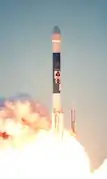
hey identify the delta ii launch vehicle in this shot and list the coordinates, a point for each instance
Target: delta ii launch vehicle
(57, 113)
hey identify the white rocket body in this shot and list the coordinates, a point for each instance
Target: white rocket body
(57, 114)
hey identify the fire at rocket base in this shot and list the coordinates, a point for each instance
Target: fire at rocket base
(57, 114)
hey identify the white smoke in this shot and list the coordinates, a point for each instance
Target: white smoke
(101, 172)
(29, 150)
(20, 114)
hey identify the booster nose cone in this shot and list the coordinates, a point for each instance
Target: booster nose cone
(56, 34)
(56, 30)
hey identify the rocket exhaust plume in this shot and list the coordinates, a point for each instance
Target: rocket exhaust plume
(21, 114)
(41, 155)
(57, 115)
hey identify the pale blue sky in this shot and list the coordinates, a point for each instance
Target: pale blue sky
(26, 60)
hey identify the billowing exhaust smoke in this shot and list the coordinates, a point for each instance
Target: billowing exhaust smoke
(20, 114)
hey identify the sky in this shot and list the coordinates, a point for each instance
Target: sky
(26, 60)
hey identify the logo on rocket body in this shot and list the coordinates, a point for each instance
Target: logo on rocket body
(56, 73)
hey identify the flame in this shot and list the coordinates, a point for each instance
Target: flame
(30, 150)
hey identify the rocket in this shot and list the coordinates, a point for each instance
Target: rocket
(73, 128)
(57, 114)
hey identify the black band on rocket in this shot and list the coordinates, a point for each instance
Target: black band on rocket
(56, 73)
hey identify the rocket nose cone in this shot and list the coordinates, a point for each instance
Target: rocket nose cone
(56, 34)
(56, 30)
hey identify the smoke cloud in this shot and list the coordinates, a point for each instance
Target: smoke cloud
(21, 116)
